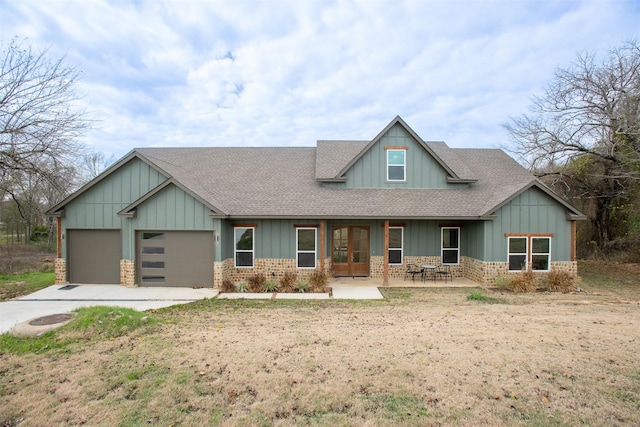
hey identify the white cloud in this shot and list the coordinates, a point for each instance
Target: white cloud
(187, 73)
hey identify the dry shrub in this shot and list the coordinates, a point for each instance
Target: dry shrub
(523, 282)
(560, 281)
(227, 286)
(256, 282)
(288, 282)
(318, 281)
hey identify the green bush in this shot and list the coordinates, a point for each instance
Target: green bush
(302, 286)
(241, 286)
(271, 286)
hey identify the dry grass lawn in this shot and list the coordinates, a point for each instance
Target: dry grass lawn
(420, 357)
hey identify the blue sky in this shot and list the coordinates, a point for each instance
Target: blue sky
(287, 73)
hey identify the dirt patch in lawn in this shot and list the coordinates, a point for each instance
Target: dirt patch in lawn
(421, 357)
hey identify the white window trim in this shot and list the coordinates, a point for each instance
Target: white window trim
(541, 253)
(253, 247)
(525, 253)
(315, 249)
(401, 246)
(442, 248)
(528, 260)
(404, 166)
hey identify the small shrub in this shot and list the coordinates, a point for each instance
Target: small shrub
(288, 282)
(227, 286)
(560, 281)
(302, 286)
(256, 282)
(241, 286)
(271, 286)
(523, 282)
(318, 281)
(502, 282)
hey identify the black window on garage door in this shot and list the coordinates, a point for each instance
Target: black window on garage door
(175, 258)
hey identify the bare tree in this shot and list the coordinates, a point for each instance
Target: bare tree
(584, 131)
(39, 118)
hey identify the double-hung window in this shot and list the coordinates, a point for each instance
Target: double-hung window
(450, 248)
(529, 252)
(244, 246)
(395, 245)
(540, 253)
(306, 247)
(518, 253)
(396, 165)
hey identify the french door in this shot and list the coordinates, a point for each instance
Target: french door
(350, 251)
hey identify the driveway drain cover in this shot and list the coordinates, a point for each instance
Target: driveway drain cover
(67, 287)
(50, 320)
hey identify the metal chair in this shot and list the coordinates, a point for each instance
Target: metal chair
(444, 270)
(413, 270)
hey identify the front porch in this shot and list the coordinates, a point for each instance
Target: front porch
(457, 282)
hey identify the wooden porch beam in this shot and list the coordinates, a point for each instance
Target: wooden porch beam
(59, 237)
(385, 271)
(573, 240)
(322, 248)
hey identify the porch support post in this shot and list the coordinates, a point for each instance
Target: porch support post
(573, 240)
(322, 248)
(59, 237)
(385, 257)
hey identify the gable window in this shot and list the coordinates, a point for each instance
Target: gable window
(306, 247)
(395, 245)
(450, 248)
(244, 246)
(396, 165)
(529, 252)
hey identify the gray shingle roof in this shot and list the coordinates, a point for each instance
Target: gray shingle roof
(280, 182)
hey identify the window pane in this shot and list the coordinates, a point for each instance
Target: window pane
(244, 239)
(339, 257)
(396, 173)
(540, 262)
(395, 238)
(395, 157)
(152, 250)
(306, 260)
(517, 262)
(517, 246)
(152, 279)
(306, 240)
(244, 259)
(450, 256)
(450, 238)
(152, 264)
(395, 256)
(540, 246)
(152, 236)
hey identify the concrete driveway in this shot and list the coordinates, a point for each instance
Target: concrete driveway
(64, 298)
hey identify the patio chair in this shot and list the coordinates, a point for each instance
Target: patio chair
(413, 270)
(444, 270)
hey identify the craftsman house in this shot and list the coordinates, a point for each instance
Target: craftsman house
(197, 216)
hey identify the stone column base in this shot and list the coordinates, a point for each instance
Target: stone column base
(60, 269)
(128, 273)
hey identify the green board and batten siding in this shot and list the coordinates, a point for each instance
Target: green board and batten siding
(422, 171)
(531, 212)
(98, 208)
